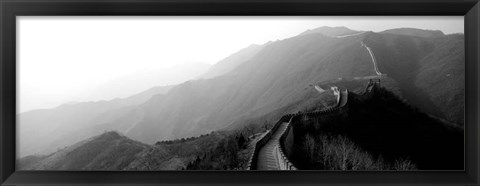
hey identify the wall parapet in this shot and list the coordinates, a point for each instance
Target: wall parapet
(286, 139)
(252, 162)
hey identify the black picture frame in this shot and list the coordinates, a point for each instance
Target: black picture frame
(9, 9)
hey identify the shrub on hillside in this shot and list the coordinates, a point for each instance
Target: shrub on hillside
(223, 157)
(327, 152)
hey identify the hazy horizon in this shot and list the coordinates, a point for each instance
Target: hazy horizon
(94, 51)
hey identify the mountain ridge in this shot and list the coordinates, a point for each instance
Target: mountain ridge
(278, 77)
(414, 32)
(229, 63)
(331, 31)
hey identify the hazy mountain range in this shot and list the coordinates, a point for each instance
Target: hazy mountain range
(139, 81)
(263, 82)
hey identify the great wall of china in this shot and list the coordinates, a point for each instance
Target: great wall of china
(272, 150)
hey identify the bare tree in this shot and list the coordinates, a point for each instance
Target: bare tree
(250, 129)
(266, 125)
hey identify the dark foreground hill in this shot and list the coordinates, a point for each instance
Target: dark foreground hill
(378, 133)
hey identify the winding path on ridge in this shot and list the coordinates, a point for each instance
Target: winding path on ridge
(267, 157)
(373, 58)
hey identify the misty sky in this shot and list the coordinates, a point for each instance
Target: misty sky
(70, 59)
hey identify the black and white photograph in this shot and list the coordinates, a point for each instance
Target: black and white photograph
(155, 93)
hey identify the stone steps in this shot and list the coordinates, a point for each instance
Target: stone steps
(267, 159)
